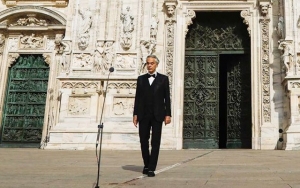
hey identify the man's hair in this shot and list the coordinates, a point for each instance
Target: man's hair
(154, 57)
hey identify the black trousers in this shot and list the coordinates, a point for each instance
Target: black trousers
(145, 125)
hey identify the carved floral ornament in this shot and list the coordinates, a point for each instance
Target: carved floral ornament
(81, 85)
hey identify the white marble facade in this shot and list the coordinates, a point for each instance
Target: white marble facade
(81, 40)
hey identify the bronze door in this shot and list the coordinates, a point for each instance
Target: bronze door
(24, 106)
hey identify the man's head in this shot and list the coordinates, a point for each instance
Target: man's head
(152, 63)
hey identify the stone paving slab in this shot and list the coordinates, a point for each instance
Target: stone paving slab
(33, 168)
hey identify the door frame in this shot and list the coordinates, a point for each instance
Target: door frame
(185, 14)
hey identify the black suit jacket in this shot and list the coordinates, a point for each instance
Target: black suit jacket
(161, 101)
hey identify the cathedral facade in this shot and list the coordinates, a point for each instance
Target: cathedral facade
(68, 66)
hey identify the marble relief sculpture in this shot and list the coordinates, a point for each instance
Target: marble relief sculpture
(280, 26)
(31, 20)
(103, 56)
(287, 57)
(127, 29)
(63, 52)
(84, 32)
(31, 41)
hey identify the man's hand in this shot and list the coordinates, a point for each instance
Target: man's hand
(135, 121)
(167, 120)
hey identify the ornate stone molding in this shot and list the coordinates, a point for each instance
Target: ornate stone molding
(31, 20)
(190, 15)
(55, 3)
(246, 15)
(119, 86)
(170, 34)
(2, 43)
(12, 57)
(85, 86)
(265, 21)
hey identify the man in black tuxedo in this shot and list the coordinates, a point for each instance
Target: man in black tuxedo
(152, 106)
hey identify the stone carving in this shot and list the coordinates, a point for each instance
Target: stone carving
(127, 28)
(82, 61)
(287, 57)
(31, 20)
(119, 86)
(147, 48)
(47, 58)
(81, 85)
(126, 61)
(103, 56)
(188, 17)
(86, 24)
(50, 45)
(2, 42)
(294, 84)
(246, 15)
(79, 106)
(31, 41)
(265, 61)
(63, 52)
(12, 57)
(123, 106)
(153, 27)
(170, 26)
(280, 28)
(13, 44)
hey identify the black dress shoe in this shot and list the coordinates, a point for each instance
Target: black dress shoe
(145, 171)
(151, 174)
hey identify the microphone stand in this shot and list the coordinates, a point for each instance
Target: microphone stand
(100, 129)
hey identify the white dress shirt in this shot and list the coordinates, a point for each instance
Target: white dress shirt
(151, 79)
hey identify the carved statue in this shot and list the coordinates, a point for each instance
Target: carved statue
(63, 50)
(128, 27)
(171, 10)
(153, 27)
(147, 48)
(280, 27)
(84, 33)
(98, 57)
(108, 50)
(287, 56)
(127, 20)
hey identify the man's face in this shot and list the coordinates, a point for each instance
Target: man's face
(151, 65)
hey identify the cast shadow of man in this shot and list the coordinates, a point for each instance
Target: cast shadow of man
(133, 168)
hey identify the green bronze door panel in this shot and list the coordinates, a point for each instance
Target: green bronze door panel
(24, 106)
(238, 101)
(201, 124)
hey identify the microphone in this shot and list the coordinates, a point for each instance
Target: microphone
(100, 130)
(111, 69)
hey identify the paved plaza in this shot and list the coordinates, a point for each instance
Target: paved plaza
(36, 168)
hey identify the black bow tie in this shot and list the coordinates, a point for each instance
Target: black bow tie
(149, 75)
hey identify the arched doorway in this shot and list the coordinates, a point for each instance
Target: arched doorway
(217, 82)
(24, 107)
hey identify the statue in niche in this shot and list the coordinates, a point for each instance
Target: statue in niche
(280, 27)
(108, 59)
(147, 48)
(153, 27)
(127, 20)
(128, 27)
(287, 57)
(63, 51)
(84, 33)
(99, 55)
